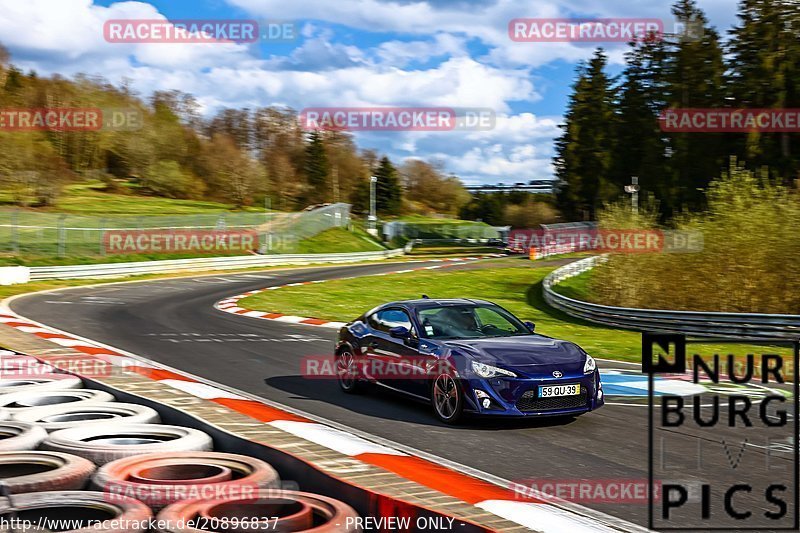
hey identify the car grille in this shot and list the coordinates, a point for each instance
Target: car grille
(529, 402)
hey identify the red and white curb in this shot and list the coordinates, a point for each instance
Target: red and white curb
(231, 304)
(495, 496)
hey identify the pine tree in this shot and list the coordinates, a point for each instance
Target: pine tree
(694, 75)
(639, 148)
(583, 152)
(316, 169)
(765, 73)
(388, 194)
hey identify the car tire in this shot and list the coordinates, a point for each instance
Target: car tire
(55, 417)
(102, 444)
(127, 476)
(17, 402)
(126, 515)
(288, 511)
(447, 397)
(36, 471)
(347, 373)
(20, 436)
(39, 382)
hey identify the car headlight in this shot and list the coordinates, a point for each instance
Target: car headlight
(590, 365)
(489, 371)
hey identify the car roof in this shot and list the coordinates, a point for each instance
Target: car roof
(423, 303)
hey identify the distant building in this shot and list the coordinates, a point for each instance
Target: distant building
(533, 187)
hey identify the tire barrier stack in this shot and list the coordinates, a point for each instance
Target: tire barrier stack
(74, 453)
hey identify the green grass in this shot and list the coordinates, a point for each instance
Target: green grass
(88, 198)
(576, 287)
(420, 219)
(518, 289)
(338, 240)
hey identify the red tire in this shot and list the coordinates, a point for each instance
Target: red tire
(287, 511)
(159, 479)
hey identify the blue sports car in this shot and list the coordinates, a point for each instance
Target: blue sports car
(466, 356)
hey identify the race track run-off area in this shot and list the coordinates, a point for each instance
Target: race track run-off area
(175, 322)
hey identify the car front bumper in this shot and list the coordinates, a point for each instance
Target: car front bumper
(519, 397)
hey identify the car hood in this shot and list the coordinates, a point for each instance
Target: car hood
(525, 352)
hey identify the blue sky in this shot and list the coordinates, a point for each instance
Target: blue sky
(358, 53)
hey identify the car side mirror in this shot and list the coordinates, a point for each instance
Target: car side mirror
(531, 326)
(400, 332)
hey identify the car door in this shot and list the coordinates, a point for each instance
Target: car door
(394, 358)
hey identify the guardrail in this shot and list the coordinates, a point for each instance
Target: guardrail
(706, 324)
(203, 263)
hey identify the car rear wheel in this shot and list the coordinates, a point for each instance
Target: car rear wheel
(447, 398)
(347, 372)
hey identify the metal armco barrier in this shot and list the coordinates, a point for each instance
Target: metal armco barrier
(707, 324)
(203, 263)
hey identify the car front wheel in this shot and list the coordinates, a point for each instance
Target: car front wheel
(347, 372)
(447, 398)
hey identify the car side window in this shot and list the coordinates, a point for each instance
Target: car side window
(387, 319)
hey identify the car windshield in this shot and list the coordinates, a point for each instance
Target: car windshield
(469, 322)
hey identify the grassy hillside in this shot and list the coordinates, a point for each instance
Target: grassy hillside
(338, 240)
(89, 198)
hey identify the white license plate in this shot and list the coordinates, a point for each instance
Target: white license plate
(549, 391)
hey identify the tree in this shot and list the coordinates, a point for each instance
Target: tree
(316, 169)
(765, 73)
(426, 186)
(694, 77)
(640, 146)
(166, 178)
(388, 194)
(583, 152)
(484, 207)
(231, 175)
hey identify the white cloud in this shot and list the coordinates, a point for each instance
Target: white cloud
(401, 53)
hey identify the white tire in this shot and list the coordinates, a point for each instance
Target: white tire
(35, 471)
(102, 444)
(65, 416)
(90, 512)
(38, 382)
(16, 402)
(19, 436)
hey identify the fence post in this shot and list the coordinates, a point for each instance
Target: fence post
(102, 233)
(62, 236)
(15, 231)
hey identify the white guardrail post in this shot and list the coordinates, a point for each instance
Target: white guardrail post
(698, 323)
(203, 263)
